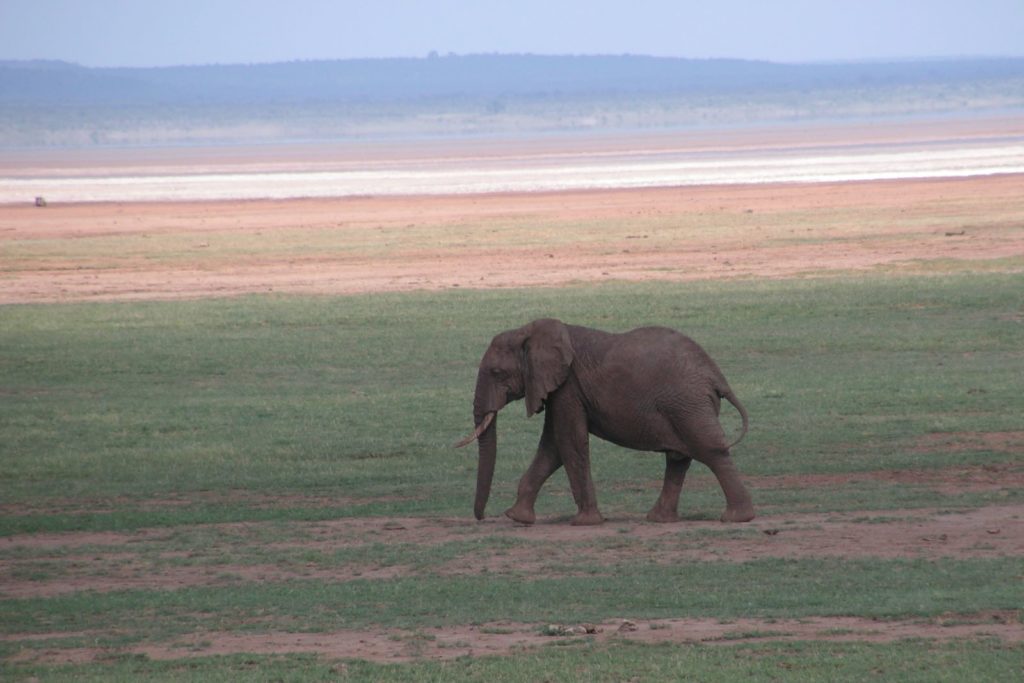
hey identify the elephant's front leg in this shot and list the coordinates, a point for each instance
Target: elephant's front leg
(572, 439)
(666, 508)
(583, 491)
(577, 467)
(544, 464)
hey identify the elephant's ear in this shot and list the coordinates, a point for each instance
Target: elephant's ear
(548, 354)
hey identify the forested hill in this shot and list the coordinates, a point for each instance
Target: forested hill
(470, 77)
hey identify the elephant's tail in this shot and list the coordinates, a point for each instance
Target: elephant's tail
(731, 398)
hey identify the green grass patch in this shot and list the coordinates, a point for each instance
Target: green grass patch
(621, 661)
(283, 413)
(361, 397)
(761, 588)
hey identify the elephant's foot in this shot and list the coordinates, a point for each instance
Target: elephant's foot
(661, 516)
(738, 514)
(591, 518)
(521, 514)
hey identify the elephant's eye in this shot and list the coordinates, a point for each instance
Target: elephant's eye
(497, 373)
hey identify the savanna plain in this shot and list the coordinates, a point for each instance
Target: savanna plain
(226, 437)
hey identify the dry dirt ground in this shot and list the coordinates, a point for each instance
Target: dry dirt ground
(505, 638)
(989, 532)
(84, 252)
(994, 531)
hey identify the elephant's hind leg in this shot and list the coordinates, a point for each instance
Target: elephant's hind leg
(666, 508)
(705, 441)
(738, 505)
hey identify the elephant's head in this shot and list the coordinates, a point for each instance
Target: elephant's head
(529, 362)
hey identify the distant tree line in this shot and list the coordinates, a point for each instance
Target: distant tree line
(50, 104)
(480, 77)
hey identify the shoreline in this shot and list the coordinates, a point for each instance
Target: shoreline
(849, 151)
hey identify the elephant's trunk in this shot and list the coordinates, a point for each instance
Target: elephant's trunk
(487, 399)
(488, 444)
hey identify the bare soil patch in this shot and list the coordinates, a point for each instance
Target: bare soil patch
(504, 639)
(996, 531)
(509, 638)
(988, 477)
(551, 545)
(1000, 442)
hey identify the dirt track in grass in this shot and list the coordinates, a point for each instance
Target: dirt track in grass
(109, 561)
(106, 562)
(992, 531)
(507, 638)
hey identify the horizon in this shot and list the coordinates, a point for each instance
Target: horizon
(450, 55)
(124, 34)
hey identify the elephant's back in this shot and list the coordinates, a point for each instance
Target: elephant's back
(655, 355)
(664, 344)
(674, 362)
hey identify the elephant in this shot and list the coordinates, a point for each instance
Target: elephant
(649, 389)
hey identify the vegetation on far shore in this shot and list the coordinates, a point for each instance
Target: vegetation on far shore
(57, 104)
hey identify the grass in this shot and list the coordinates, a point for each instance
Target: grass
(905, 661)
(290, 413)
(772, 588)
(793, 662)
(361, 397)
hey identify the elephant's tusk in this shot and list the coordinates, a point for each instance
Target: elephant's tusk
(480, 428)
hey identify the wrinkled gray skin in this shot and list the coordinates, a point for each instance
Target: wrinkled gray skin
(651, 389)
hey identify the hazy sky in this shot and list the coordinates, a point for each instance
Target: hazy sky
(161, 32)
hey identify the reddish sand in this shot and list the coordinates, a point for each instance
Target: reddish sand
(341, 246)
